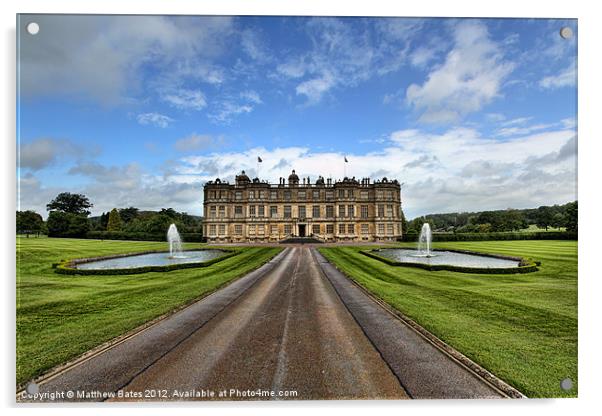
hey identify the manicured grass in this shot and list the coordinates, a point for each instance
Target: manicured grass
(521, 327)
(59, 316)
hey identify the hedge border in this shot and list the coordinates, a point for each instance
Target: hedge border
(67, 266)
(496, 236)
(525, 266)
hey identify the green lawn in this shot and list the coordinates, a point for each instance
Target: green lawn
(521, 327)
(59, 317)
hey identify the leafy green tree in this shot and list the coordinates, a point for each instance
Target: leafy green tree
(114, 223)
(128, 214)
(66, 224)
(544, 217)
(29, 222)
(71, 203)
(571, 217)
(557, 220)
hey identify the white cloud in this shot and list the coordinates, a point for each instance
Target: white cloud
(41, 153)
(185, 99)
(230, 107)
(154, 119)
(469, 78)
(566, 78)
(104, 61)
(456, 170)
(315, 88)
(251, 96)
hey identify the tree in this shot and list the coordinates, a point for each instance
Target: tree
(404, 222)
(29, 222)
(66, 224)
(71, 203)
(128, 214)
(114, 223)
(557, 220)
(571, 217)
(544, 217)
(58, 223)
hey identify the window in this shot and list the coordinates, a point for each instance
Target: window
(212, 194)
(329, 211)
(350, 193)
(351, 210)
(381, 229)
(364, 194)
(329, 228)
(315, 228)
(341, 228)
(273, 211)
(287, 211)
(238, 210)
(262, 194)
(302, 213)
(261, 211)
(389, 229)
(365, 229)
(287, 229)
(364, 211)
(212, 229)
(222, 211)
(341, 193)
(273, 194)
(350, 228)
(301, 195)
(379, 194)
(261, 229)
(252, 229)
(251, 210)
(212, 211)
(287, 195)
(251, 194)
(238, 229)
(389, 211)
(341, 210)
(329, 195)
(315, 211)
(381, 211)
(222, 229)
(274, 230)
(390, 194)
(315, 195)
(238, 195)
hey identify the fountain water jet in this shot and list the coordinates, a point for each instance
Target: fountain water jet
(175, 242)
(424, 241)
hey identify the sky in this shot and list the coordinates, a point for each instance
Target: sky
(468, 114)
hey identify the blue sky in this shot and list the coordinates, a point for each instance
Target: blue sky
(469, 114)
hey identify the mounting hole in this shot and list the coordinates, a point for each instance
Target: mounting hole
(32, 388)
(33, 28)
(566, 384)
(566, 32)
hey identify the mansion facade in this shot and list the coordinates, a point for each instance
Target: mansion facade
(258, 211)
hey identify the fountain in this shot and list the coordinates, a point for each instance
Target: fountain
(175, 242)
(424, 241)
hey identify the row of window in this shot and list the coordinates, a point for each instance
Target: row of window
(259, 211)
(301, 194)
(261, 229)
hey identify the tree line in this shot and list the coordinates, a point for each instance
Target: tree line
(545, 217)
(69, 217)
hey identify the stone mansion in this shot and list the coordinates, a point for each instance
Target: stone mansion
(258, 211)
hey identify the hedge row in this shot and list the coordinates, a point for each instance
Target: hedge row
(526, 265)
(539, 235)
(68, 266)
(121, 235)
